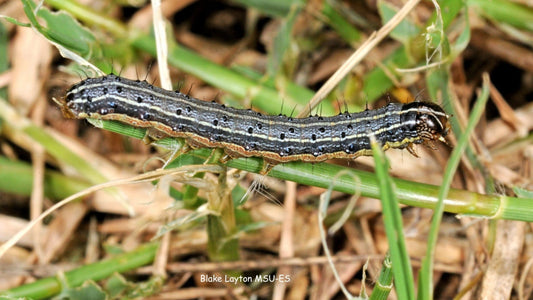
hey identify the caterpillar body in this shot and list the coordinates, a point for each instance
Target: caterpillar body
(247, 133)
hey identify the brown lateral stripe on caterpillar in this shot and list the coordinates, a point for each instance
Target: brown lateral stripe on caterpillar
(245, 133)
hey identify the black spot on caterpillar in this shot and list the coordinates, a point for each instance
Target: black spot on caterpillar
(246, 133)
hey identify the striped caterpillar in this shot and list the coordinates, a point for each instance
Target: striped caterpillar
(247, 133)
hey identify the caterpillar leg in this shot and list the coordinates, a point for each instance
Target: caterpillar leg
(177, 152)
(267, 167)
(431, 145)
(225, 158)
(411, 149)
(153, 135)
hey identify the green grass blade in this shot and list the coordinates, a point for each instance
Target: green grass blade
(262, 97)
(507, 12)
(221, 225)
(438, 85)
(425, 290)
(296, 91)
(281, 51)
(48, 287)
(383, 285)
(90, 16)
(4, 59)
(392, 217)
(17, 178)
(335, 19)
(405, 31)
(17, 125)
(277, 8)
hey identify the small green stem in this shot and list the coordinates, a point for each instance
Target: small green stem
(90, 16)
(48, 287)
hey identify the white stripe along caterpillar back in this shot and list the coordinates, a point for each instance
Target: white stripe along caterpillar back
(246, 133)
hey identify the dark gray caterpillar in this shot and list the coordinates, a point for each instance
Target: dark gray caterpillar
(248, 133)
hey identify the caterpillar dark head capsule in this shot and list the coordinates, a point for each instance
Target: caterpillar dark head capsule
(430, 121)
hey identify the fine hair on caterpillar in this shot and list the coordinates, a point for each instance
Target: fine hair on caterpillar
(247, 133)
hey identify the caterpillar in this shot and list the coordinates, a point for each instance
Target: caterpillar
(247, 133)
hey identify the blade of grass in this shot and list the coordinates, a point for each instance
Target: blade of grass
(276, 8)
(282, 42)
(383, 285)
(48, 287)
(17, 125)
(296, 91)
(335, 19)
(425, 287)
(408, 193)
(506, 12)
(405, 31)
(16, 178)
(4, 60)
(438, 88)
(90, 16)
(262, 97)
(221, 225)
(392, 217)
